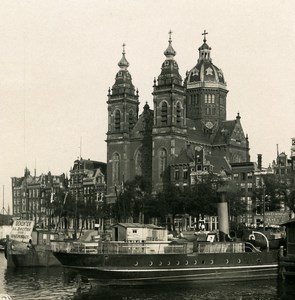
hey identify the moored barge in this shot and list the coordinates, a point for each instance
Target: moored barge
(154, 262)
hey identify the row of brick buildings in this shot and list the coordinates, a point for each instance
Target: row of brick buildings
(34, 197)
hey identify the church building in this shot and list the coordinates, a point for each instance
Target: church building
(185, 134)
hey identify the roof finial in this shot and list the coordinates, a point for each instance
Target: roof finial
(204, 34)
(170, 52)
(170, 34)
(123, 63)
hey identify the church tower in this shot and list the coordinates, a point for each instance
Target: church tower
(206, 91)
(122, 116)
(169, 130)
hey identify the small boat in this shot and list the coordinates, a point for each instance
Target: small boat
(28, 247)
(147, 257)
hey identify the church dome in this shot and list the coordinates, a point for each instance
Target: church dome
(169, 70)
(123, 81)
(205, 72)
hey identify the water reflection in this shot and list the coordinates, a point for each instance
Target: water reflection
(286, 290)
(237, 291)
(59, 283)
(39, 283)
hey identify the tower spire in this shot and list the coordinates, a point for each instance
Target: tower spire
(123, 63)
(170, 52)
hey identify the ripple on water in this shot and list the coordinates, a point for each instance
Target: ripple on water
(60, 284)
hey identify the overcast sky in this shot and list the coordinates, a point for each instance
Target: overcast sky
(58, 59)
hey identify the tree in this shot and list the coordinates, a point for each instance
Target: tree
(204, 194)
(132, 199)
(61, 207)
(171, 201)
(236, 206)
(199, 199)
(272, 191)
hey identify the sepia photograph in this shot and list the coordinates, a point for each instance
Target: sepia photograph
(148, 149)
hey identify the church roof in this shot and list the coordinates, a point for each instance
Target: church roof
(224, 131)
(216, 158)
(219, 162)
(205, 70)
(185, 157)
(196, 133)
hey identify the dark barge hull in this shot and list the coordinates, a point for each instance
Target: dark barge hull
(287, 268)
(136, 269)
(38, 257)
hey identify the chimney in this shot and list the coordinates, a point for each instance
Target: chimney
(259, 161)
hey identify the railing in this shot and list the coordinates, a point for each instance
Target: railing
(119, 247)
(262, 234)
(251, 247)
(220, 247)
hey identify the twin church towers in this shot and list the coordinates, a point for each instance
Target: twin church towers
(186, 131)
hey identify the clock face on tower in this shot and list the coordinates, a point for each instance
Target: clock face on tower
(209, 125)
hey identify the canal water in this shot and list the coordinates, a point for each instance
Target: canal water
(58, 283)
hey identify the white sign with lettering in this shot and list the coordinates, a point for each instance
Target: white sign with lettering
(22, 230)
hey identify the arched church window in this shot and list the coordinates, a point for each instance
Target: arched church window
(116, 168)
(131, 119)
(236, 157)
(208, 110)
(178, 113)
(193, 100)
(138, 163)
(209, 98)
(164, 113)
(163, 161)
(117, 120)
(213, 98)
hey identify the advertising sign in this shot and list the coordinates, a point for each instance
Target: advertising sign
(275, 217)
(22, 230)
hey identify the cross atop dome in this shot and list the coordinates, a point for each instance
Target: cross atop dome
(204, 34)
(170, 52)
(123, 63)
(170, 34)
(204, 50)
